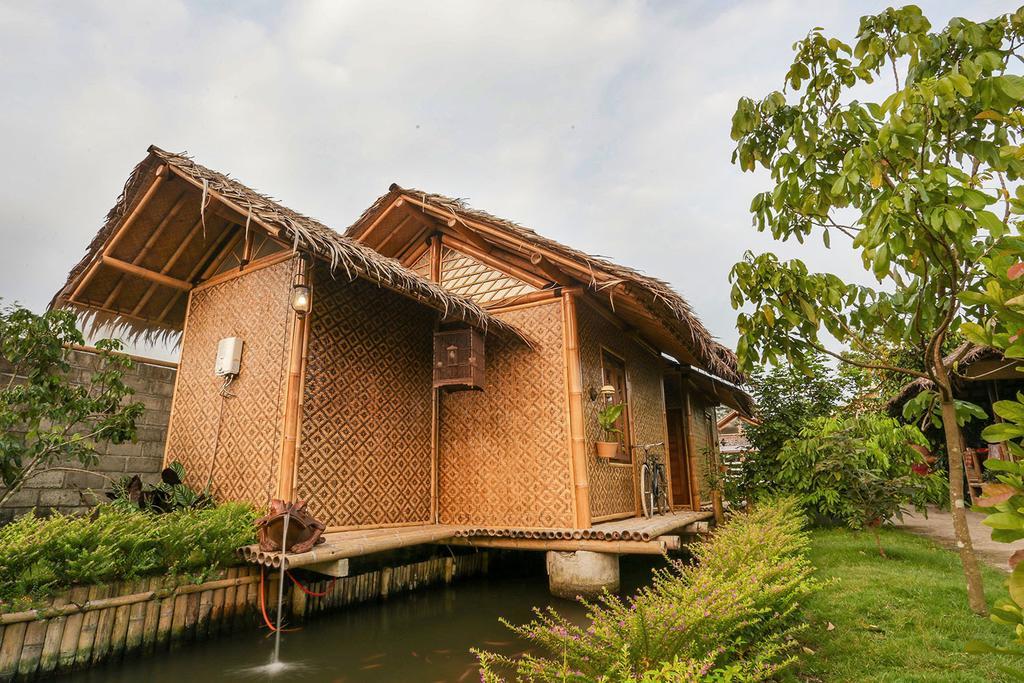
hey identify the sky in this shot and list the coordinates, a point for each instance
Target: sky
(604, 125)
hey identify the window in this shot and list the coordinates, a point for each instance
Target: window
(613, 371)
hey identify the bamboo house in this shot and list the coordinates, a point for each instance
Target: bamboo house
(431, 367)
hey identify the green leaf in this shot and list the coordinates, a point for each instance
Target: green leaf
(1002, 431)
(1016, 584)
(1007, 521)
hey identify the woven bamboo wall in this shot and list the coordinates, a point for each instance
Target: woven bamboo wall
(612, 485)
(705, 441)
(504, 451)
(365, 450)
(234, 440)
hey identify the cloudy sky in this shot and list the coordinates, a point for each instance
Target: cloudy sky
(604, 125)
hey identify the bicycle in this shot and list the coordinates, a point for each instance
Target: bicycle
(653, 485)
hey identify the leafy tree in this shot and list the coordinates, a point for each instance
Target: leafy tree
(910, 179)
(44, 416)
(787, 399)
(860, 471)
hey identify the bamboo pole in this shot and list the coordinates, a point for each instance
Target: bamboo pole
(87, 636)
(32, 648)
(289, 438)
(104, 627)
(10, 650)
(691, 450)
(51, 644)
(161, 174)
(144, 251)
(577, 443)
(145, 273)
(652, 547)
(151, 618)
(72, 628)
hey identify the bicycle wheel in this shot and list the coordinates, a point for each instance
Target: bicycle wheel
(661, 503)
(646, 490)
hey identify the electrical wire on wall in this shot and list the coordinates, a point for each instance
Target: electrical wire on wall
(225, 394)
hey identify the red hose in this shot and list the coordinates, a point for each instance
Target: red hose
(330, 585)
(263, 608)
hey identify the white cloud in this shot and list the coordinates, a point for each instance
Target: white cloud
(604, 125)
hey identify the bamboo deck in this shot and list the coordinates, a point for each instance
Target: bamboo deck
(635, 535)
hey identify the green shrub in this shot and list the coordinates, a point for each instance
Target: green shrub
(41, 555)
(859, 471)
(730, 616)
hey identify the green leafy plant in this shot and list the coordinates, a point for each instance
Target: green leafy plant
(902, 144)
(1003, 502)
(44, 416)
(41, 555)
(730, 616)
(860, 471)
(606, 419)
(787, 398)
(170, 494)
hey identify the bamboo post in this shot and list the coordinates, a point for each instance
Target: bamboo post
(51, 644)
(691, 450)
(293, 396)
(104, 626)
(32, 648)
(136, 621)
(151, 625)
(122, 617)
(87, 636)
(577, 443)
(72, 629)
(10, 649)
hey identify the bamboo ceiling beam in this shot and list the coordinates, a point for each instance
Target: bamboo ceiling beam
(141, 255)
(415, 250)
(394, 231)
(380, 218)
(160, 176)
(144, 273)
(467, 235)
(224, 238)
(171, 262)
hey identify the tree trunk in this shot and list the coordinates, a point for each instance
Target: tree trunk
(954, 450)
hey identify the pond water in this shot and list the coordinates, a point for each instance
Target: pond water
(423, 636)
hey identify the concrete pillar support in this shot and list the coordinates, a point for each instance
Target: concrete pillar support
(582, 573)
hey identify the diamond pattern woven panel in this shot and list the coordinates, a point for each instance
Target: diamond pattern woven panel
(704, 441)
(465, 275)
(235, 440)
(612, 485)
(422, 265)
(365, 450)
(504, 452)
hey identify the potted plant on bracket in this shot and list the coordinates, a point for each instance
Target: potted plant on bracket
(606, 418)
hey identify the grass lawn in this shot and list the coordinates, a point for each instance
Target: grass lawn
(899, 619)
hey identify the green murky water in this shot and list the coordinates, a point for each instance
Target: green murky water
(423, 636)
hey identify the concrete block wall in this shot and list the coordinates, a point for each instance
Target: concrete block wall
(75, 492)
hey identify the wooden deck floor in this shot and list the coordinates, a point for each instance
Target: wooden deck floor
(634, 535)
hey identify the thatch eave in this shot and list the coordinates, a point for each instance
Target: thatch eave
(306, 235)
(664, 306)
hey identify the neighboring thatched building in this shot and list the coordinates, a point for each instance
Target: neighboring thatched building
(355, 345)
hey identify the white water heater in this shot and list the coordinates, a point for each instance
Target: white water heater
(229, 356)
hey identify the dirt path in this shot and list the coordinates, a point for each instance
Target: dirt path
(939, 527)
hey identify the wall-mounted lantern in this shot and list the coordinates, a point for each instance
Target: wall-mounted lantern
(606, 393)
(300, 299)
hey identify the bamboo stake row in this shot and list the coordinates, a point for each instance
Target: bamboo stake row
(105, 622)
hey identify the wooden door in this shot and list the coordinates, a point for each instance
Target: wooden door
(675, 447)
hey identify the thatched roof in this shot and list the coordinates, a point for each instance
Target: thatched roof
(662, 303)
(962, 356)
(347, 257)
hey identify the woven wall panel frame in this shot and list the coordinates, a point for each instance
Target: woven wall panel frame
(612, 486)
(705, 441)
(236, 440)
(504, 458)
(366, 430)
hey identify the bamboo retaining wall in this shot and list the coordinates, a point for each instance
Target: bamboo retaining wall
(90, 625)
